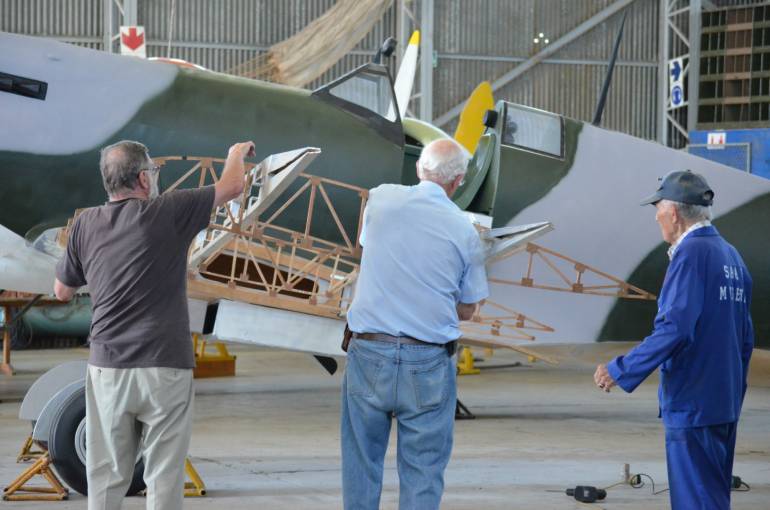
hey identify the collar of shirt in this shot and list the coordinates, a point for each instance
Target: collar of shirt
(696, 226)
(432, 188)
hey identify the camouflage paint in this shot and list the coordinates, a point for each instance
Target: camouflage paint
(525, 177)
(202, 114)
(633, 321)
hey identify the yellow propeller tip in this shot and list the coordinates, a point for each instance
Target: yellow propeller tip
(415, 39)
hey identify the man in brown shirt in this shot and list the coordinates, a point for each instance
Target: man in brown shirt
(132, 254)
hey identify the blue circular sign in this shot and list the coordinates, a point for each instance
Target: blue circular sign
(677, 96)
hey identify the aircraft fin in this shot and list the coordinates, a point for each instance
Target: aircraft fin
(405, 76)
(471, 125)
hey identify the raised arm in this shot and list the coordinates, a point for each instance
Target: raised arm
(230, 185)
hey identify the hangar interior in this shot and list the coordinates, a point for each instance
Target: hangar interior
(686, 87)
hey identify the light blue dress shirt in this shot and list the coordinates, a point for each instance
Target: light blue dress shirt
(421, 257)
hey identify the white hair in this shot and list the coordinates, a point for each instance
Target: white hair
(442, 161)
(691, 213)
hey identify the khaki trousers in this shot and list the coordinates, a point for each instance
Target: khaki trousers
(133, 411)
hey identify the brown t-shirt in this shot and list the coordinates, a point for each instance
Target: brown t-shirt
(132, 254)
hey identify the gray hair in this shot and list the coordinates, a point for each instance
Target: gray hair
(121, 164)
(442, 161)
(691, 213)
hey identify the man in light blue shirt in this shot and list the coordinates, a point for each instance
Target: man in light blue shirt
(422, 271)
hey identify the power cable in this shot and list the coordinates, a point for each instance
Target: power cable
(591, 494)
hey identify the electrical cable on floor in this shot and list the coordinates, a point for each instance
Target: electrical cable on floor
(591, 494)
(637, 483)
(738, 485)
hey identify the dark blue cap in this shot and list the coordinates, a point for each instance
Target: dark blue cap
(685, 187)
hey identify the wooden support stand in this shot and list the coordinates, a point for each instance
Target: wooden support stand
(18, 491)
(207, 364)
(5, 365)
(27, 453)
(195, 487)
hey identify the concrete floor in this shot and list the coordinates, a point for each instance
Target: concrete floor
(268, 438)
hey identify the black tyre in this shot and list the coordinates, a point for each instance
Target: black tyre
(66, 445)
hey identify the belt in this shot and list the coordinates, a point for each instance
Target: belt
(451, 347)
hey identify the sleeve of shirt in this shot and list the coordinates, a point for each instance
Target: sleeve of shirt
(748, 336)
(69, 269)
(362, 236)
(681, 304)
(474, 286)
(192, 209)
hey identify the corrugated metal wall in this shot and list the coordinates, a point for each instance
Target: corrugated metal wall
(477, 40)
(474, 40)
(217, 34)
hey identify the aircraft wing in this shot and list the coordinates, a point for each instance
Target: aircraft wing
(506, 241)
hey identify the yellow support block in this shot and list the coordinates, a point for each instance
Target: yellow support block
(208, 364)
(465, 364)
(194, 488)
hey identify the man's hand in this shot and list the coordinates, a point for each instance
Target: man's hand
(230, 185)
(242, 150)
(465, 311)
(63, 292)
(603, 379)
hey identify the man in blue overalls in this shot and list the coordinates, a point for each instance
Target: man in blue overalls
(702, 340)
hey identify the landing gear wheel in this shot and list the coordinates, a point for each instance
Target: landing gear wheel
(67, 446)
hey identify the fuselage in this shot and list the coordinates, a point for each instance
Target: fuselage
(536, 166)
(49, 149)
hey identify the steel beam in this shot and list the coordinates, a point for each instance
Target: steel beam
(664, 41)
(404, 26)
(108, 24)
(679, 38)
(546, 52)
(557, 61)
(115, 14)
(693, 68)
(426, 60)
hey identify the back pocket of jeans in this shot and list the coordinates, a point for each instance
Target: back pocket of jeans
(361, 373)
(431, 385)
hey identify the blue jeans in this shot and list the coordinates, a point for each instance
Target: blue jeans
(417, 385)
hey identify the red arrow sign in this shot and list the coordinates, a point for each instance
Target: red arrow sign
(131, 39)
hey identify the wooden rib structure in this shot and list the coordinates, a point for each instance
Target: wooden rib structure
(608, 285)
(257, 259)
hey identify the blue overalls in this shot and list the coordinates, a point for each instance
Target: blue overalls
(702, 340)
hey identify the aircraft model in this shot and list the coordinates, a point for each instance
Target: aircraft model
(282, 260)
(525, 157)
(182, 111)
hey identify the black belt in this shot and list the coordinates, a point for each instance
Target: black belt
(451, 347)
